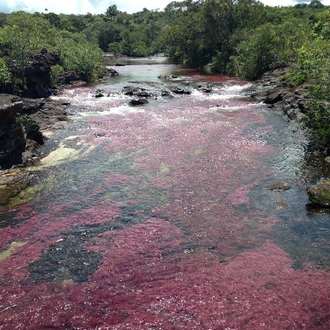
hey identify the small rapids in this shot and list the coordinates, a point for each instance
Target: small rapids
(161, 216)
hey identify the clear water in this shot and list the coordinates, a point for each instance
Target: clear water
(160, 216)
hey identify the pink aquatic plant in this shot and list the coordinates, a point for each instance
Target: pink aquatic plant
(160, 231)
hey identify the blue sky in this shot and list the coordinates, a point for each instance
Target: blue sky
(100, 6)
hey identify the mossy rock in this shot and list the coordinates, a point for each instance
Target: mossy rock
(319, 194)
(12, 182)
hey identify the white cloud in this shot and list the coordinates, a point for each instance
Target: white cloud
(56, 6)
(100, 6)
(286, 3)
(82, 6)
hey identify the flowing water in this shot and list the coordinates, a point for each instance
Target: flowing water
(162, 216)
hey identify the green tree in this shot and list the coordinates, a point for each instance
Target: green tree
(317, 115)
(313, 64)
(108, 32)
(255, 54)
(292, 34)
(112, 11)
(5, 76)
(316, 4)
(85, 58)
(22, 36)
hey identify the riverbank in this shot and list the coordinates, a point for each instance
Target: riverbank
(273, 90)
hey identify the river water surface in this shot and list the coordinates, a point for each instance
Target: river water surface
(164, 216)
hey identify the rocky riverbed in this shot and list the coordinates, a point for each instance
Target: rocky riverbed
(273, 90)
(26, 123)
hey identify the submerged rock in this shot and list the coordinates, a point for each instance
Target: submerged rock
(111, 73)
(99, 93)
(12, 182)
(136, 91)
(279, 186)
(178, 90)
(319, 194)
(138, 101)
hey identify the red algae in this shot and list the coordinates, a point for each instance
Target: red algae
(258, 289)
(169, 224)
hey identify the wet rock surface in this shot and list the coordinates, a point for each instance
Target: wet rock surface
(136, 91)
(12, 182)
(25, 124)
(12, 138)
(279, 186)
(320, 194)
(138, 101)
(273, 90)
(23, 121)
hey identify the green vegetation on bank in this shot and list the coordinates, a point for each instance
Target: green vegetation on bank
(237, 37)
(23, 36)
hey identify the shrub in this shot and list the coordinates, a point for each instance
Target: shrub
(5, 76)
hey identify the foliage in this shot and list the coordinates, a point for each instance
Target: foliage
(23, 35)
(55, 71)
(27, 122)
(84, 58)
(312, 63)
(5, 75)
(256, 53)
(317, 115)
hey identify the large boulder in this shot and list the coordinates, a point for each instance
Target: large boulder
(37, 74)
(136, 91)
(11, 183)
(24, 124)
(319, 194)
(12, 137)
(274, 96)
(138, 101)
(68, 77)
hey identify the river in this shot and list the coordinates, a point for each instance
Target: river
(189, 212)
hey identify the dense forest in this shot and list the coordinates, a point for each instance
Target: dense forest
(235, 37)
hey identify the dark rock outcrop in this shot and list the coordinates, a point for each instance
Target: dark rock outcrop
(178, 90)
(50, 117)
(24, 125)
(12, 137)
(136, 91)
(37, 74)
(138, 101)
(204, 87)
(272, 89)
(99, 93)
(68, 77)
